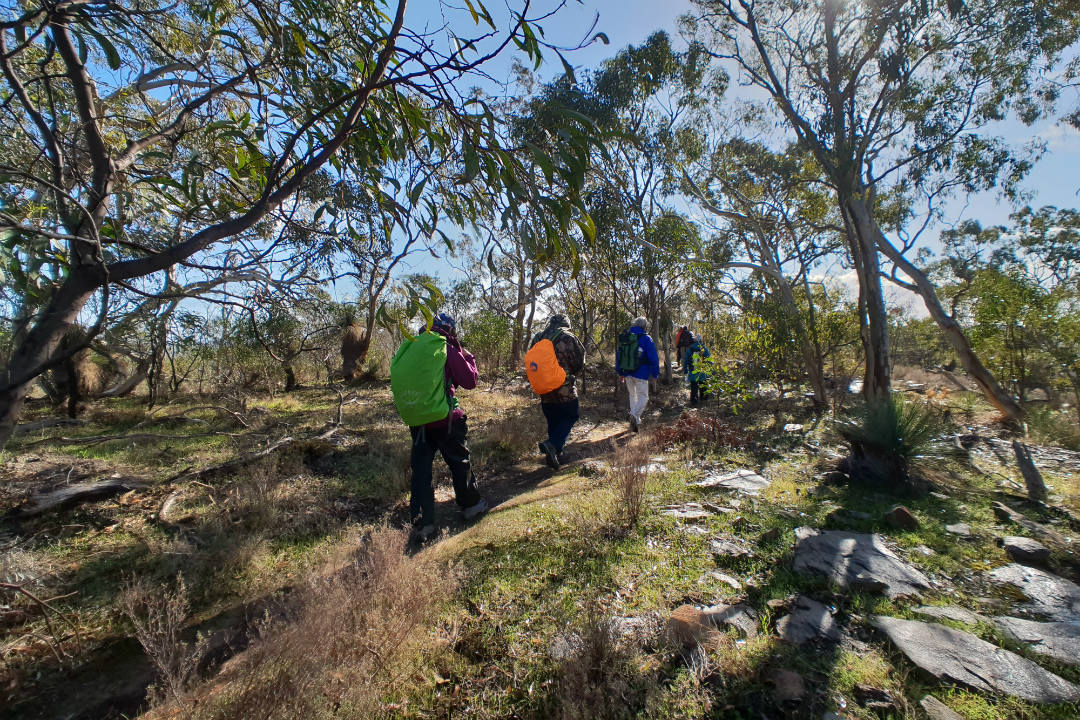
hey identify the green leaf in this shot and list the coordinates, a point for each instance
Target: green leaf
(111, 55)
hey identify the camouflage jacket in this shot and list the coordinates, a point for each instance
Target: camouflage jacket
(571, 356)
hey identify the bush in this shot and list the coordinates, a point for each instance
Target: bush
(630, 472)
(888, 439)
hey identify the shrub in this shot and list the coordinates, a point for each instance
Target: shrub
(889, 438)
(630, 472)
(349, 641)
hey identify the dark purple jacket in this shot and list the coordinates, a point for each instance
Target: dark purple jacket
(460, 372)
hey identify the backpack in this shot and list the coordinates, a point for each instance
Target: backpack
(542, 366)
(627, 357)
(680, 337)
(418, 379)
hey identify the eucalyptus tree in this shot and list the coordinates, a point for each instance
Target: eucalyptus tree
(890, 98)
(148, 136)
(779, 222)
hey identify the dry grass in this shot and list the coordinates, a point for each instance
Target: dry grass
(598, 679)
(351, 640)
(158, 618)
(630, 471)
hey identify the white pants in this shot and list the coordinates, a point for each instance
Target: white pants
(639, 395)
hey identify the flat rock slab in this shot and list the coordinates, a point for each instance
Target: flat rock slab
(961, 529)
(856, 560)
(1050, 595)
(69, 495)
(745, 481)
(726, 579)
(949, 612)
(1058, 640)
(809, 621)
(1025, 550)
(959, 657)
(689, 511)
(722, 547)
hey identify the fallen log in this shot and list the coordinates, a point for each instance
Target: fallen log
(45, 424)
(70, 495)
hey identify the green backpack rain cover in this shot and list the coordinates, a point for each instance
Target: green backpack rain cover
(418, 379)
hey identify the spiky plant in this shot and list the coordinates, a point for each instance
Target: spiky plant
(888, 439)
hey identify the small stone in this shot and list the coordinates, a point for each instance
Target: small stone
(925, 551)
(689, 627)
(593, 468)
(793, 428)
(728, 549)
(726, 579)
(739, 617)
(689, 511)
(1025, 550)
(961, 529)
(939, 496)
(874, 698)
(937, 710)
(809, 621)
(902, 518)
(789, 686)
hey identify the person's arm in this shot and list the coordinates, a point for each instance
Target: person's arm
(654, 358)
(461, 365)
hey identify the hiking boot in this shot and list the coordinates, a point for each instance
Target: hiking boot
(633, 423)
(552, 456)
(563, 459)
(475, 511)
(423, 533)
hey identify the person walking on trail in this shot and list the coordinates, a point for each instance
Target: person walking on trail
(423, 375)
(683, 338)
(636, 362)
(554, 359)
(695, 370)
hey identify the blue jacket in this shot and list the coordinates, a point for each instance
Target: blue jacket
(695, 374)
(650, 361)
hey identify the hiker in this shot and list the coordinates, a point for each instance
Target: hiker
(636, 362)
(423, 374)
(554, 359)
(694, 369)
(683, 338)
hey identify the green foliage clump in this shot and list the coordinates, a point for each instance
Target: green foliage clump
(888, 438)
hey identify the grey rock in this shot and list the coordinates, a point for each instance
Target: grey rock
(1050, 595)
(689, 511)
(740, 617)
(789, 686)
(1025, 550)
(960, 657)
(847, 558)
(726, 579)
(961, 529)
(948, 612)
(937, 710)
(746, 481)
(809, 621)
(939, 496)
(728, 548)
(1057, 640)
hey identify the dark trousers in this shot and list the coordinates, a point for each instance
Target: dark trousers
(698, 391)
(450, 441)
(560, 419)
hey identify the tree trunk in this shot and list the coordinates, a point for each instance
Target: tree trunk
(37, 352)
(125, 386)
(290, 377)
(862, 235)
(951, 329)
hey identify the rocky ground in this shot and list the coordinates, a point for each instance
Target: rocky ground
(752, 582)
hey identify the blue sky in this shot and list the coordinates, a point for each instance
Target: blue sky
(1055, 180)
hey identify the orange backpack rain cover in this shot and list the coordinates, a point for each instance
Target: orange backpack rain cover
(543, 369)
